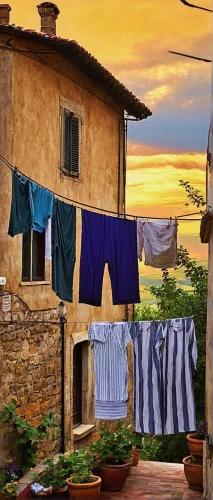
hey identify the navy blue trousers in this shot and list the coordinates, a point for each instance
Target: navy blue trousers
(112, 240)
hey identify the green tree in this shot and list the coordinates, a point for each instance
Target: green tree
(174, 302)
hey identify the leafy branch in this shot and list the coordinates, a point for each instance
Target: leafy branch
(193, 194)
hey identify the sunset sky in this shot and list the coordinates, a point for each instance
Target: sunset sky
(132, 39)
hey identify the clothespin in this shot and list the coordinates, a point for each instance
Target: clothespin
(176, 220)
(17, 172)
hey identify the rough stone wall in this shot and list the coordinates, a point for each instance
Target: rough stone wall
(30, 370)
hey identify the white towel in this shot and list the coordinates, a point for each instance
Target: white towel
(48, 240)
(159, 242)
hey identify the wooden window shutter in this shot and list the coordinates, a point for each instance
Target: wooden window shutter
(75, 145)
(71, 132)
(66, 140)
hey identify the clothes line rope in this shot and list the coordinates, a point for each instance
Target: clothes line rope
(181, 217)
(41, 322)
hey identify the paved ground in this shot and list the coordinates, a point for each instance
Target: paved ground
(148, 481)
(155, 481)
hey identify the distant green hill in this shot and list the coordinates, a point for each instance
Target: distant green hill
(151, 279)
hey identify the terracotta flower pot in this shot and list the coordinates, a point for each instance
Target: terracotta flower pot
(130, 469)
(194, 473)
(114, 476)
(60, 489)
(195, 445)
(84, 491)
(2, 497)
(136, 456)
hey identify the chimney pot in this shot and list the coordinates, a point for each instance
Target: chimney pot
(48, 12)
(5, 13)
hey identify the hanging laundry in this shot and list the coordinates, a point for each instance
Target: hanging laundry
(110, 368)
(63, 249)
(165, 354)
(48, 240)
(159, 242)
(112, 240)
(20, 212)
(41, 201)
(206, 227)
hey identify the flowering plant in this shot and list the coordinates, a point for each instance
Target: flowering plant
(201, 429)
(10, 490)
(8, 480)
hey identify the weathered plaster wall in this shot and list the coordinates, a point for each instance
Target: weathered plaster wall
(36, 90)
(30, 139)
(30, 371)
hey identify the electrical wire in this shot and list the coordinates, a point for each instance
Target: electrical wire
(195, 6)
(191, 57)
(11, 167)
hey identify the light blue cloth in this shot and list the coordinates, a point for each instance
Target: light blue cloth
(36, 487)
(41, 203)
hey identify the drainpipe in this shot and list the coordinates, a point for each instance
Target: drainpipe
(61, 311)
(124, 161)
(119, 163)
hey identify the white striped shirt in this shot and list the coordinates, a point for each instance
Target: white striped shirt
(110, 360)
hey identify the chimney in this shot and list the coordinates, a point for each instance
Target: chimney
(49, 13)
(4, 13)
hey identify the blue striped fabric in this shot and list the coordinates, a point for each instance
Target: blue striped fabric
(110, 367)
(165, 354)
(110, 410)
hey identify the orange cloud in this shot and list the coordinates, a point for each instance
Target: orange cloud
(181, 161)
(153, 188)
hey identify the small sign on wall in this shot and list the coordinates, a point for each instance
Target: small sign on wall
(6, 302)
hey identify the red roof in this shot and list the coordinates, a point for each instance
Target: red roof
(84, 61)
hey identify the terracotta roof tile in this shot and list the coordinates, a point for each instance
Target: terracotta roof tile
(88, 65)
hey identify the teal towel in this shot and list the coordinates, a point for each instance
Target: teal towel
(20, 212)
(63, 249)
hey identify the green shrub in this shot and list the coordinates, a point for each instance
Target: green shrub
(174, 302)
(27, 437)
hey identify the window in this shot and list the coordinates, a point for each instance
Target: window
(77, 385)
(71, 143)
(33, 256)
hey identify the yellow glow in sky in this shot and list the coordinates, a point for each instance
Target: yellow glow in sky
(132, 39)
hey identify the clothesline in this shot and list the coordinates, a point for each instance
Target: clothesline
(181, 217)
(163, 399)
(41, 322)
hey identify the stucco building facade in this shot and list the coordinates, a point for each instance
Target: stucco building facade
(45, 80)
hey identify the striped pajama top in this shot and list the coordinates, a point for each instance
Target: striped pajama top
(165, 354)
(111, 369)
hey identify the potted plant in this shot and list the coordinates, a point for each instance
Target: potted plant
(193, 471)
(195, 440)
(82, 484)
(137, 442)
(8, 488)
(193, 464)
(8, 480)
(54, 476)
(114, 454)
